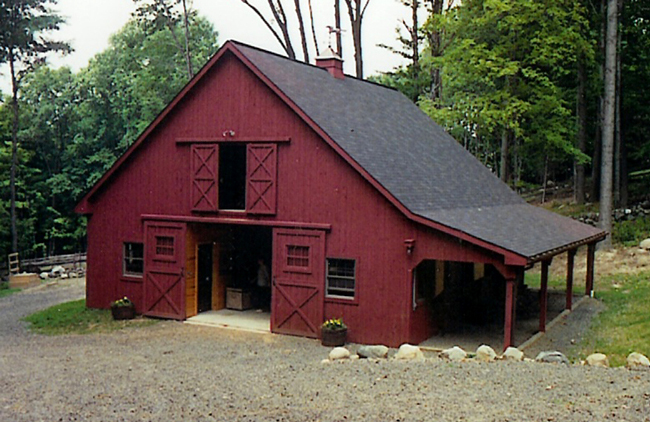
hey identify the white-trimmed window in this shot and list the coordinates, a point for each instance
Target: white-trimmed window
(133, 262)
(341, 278)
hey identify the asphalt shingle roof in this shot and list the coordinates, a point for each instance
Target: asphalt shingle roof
(419, 163)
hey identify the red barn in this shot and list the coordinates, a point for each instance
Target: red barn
(360, 206)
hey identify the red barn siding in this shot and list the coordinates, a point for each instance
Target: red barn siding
(314, 185)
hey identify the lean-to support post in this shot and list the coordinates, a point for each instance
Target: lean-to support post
(510, 309)
(543, 296)
(569, 278)
(591, 251)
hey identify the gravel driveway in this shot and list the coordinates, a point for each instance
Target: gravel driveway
(178, 372)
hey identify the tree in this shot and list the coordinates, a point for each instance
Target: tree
(125, 87)
(423, 46)
(356, 10)
(609, 117)
(505, 70)
(169, 14)
(279, 25)
(24, 25)
(50, 102)
(635, 91)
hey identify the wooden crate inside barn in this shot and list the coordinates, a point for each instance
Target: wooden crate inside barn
(238, 299)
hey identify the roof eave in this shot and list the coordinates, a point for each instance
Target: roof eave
(574, 245)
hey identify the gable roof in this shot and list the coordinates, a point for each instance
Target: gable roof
(410, 158)
(420, 164)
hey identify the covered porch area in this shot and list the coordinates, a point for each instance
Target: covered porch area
(500, 307)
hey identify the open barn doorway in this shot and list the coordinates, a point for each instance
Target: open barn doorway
(224, 266)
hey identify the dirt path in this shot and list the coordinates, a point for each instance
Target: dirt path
(174, 371)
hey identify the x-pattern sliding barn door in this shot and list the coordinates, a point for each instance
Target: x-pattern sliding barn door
(205, 191)
(164, 282)
(262, 172)
(298, 266)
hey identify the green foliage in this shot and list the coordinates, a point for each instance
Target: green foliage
(504, 70)
(635, 74)
(74, 126)
(74, 318)
(632, 232)
(6, 291)
(624, 326)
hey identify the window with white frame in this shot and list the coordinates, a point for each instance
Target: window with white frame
(133, 259)
(341, 278)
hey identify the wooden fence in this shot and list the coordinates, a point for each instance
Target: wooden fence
(38, 265)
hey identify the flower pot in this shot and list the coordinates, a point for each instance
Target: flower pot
(123, 312)
(333, 338)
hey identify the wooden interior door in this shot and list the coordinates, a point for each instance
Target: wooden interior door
(164, 280)
(204, 275)
(298, 271)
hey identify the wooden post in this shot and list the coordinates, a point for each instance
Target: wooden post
(510, 310)
(589, 288)
(569, 278)
(543, 297)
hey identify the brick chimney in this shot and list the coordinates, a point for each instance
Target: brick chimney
(332, 62)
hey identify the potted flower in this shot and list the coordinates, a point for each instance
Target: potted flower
(123, 309)
(334, 332)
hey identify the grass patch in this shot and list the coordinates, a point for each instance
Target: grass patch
(6, 291)
(534, 280)
(570, 209)
(74, 318)
(624, 326)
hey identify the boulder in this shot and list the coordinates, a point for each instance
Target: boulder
(552, 357)
(339, 353)
(409, 352)
(64, 276)
(57, 270)
(637, 361)
(43, 275)
(598, 359)
(485, 353)
(454, 354)
(512, 353)
(377, 351)
(645, 244)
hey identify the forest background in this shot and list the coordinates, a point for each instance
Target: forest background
(518, 83)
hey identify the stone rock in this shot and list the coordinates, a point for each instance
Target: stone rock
(645, 244)
(409, 352)
(552, 357)
(64, 276)
(637, 361)
(512, 353)
(598, 359)
(43, 275)
(339, 353)
(72, 275)
(485, 353)
(455, 354)
(378, 351)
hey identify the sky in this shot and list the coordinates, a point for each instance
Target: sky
(90, 23)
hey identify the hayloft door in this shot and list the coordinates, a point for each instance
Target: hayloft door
(297, 296)
(164, 282)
